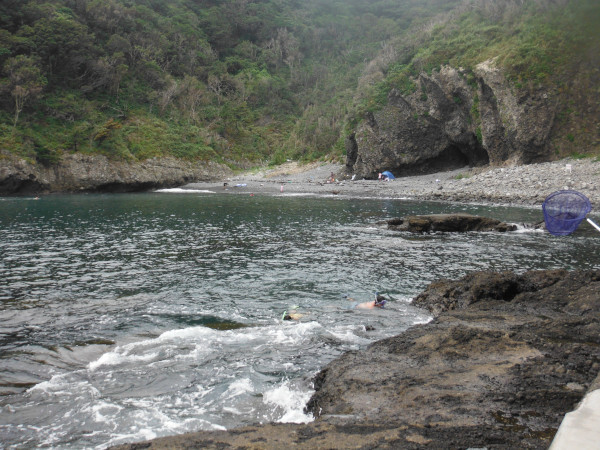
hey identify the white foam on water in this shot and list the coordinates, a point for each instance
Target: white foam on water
(103, 410)
(239, 387)
(107, 399)
(301, 194)
(290, 402)
(118, 357)
(184, 334)
(184, 191)
(523, 229)
(234, 411)
(422, 319)
(347, 334)
(149, 350)
(51, 386)
(64, 385)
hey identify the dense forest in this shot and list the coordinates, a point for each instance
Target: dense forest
(248, 82)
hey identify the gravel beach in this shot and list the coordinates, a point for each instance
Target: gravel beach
(526, 185)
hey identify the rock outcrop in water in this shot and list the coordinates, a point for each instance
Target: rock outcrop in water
(453, 119)
(504, 359)
(96, 173)
(457, 223)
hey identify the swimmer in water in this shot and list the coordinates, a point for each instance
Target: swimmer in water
(293, 315)
(379, 302)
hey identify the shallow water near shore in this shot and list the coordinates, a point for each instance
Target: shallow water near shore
(127, 317)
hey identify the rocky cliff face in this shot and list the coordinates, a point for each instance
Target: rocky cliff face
(96, 173)
(447, 123)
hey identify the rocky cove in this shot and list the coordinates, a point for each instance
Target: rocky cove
(505, 357)
(526, 184)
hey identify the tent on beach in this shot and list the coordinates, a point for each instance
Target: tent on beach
(389, 175)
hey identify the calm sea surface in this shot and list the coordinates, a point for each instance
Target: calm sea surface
(127, 317)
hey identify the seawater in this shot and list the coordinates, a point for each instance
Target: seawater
(128, 317)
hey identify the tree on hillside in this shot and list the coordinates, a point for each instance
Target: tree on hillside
(63, 45)
(25, 81)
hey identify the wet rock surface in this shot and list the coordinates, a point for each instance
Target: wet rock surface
(506, 356)
(458, 223)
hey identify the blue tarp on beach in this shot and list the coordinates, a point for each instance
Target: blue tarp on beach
(388, 175)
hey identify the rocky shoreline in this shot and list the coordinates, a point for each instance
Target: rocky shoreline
(97, 173)
(504, 359)
(522, 185)
(525, 185)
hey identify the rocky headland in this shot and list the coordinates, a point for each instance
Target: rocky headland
(451, 118)
(97, 173)
(505, 357)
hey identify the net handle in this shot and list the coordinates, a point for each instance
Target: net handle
(594, 224)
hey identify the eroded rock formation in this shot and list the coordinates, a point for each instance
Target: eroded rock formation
(451, 120)
(96, 173)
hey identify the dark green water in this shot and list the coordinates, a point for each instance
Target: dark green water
(127, 317)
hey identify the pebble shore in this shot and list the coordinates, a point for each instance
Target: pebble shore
(526, 185)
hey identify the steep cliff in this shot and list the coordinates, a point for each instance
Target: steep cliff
(96, 173)
(453, 118)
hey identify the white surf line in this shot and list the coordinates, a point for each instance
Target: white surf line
(184, 191)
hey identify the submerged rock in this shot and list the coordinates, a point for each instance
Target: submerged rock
(504, 359)
(448, 223)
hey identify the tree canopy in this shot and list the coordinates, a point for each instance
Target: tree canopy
(248, 81)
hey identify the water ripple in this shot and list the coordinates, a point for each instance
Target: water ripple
(135, 316)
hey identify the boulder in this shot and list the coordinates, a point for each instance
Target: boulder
(504, 359)
(448, 223)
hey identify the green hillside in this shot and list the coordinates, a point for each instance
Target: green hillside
(247, 82)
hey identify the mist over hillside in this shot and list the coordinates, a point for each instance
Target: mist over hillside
(246, 82)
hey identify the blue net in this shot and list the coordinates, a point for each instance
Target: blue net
(564, 211)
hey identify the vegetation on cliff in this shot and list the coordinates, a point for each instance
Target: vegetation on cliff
(249, 81)
(544, 44)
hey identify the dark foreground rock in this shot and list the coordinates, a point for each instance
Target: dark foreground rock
(96, 173)
(504, 359)
(460, 223)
